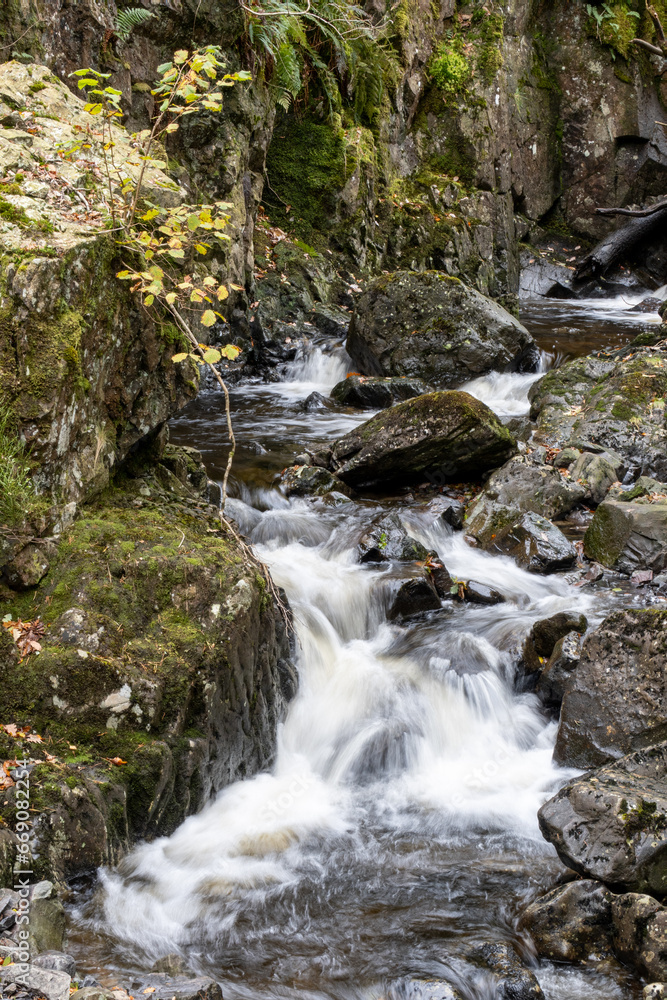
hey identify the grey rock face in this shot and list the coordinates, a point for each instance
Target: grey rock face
(611, 824)
(307, 480)
(413, 597)
(596, 473)
(571, 923)
(617, 691)
(387, 539)
(441, 434)
(536, 544)
(431, 326)
(628, 536)
(558, 671)
(46, 983)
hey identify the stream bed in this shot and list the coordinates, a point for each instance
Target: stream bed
(398, 828)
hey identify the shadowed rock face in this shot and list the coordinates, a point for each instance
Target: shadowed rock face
(617, 691)
(439, 435)
(629, 536)
(434, 327)
(571, 923)
(611, 824)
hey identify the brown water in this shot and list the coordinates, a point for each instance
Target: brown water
(398, 828)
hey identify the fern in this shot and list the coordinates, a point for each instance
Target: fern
(327, 46)
(129, 19)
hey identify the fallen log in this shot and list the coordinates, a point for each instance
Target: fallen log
(616, 245)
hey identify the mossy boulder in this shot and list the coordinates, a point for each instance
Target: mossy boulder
(611, 824)
(432, 326)
(613, 402)
(440, 434)
(617, 691)
(162, 676)
(628, 536)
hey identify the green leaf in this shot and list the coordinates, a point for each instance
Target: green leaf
(164, 67)
(149, 300)
(171, 298)
(193, 222)
(172, 127)
(212, 356)
(180, 56)
(176, 254)
(179, 357)
(230, 351)
(208, 318)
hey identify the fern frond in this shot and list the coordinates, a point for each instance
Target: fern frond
(129, 19)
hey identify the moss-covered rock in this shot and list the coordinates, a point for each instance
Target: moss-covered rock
(162, 676)
(432, 326)
(629, 536)
(440, 435)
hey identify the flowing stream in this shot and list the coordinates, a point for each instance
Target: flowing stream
(398, 827)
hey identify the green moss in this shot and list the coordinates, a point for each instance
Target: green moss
(18, 216)
(450, 69)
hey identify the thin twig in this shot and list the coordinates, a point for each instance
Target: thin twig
(634, 213)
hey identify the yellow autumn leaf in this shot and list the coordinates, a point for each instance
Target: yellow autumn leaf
(208, 318)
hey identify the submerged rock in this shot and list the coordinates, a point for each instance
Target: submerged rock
(431, 326)
(375, 393)
(479, 593)
(628, 536)
(442, 435)
(611, 824)
(513, 981)
(572, 923)
(617, 691)
(160, 986)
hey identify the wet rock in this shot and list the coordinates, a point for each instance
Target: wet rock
(617, 691)
(431, 326)
(544, 635)
(440, 576)
(572, 923)
(611, 824)
(48, 984)
(188, 466)
(535, 543)
(566, 457)
(387, 538)
(165, 987)
(608, 403)
(309, 480)
(655, 991)
(422, 989)
(439, 436)
(376, 393)
(57, 961)
(522, 485)
(93, 993)
(640, 933)
(557, 673)
(47, 919)
(27, 568)
(628, 536)
(597, 473)
(479, 593)
(414, 597)
(644, 486)
(513, 981)
(317, 402)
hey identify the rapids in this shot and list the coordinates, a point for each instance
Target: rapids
(398, 827)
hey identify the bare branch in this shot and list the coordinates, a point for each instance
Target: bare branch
(635, 213)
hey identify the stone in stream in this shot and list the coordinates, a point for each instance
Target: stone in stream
(557, 673)
(375, 392)
(422, 989)
(316, 402)
(479, 593)
(608, 403)
(310, 480)
(413, 597)
(388, 539)
(618, 690)
(46, 983)
(544, 635)
(571, 923)
(163, 987)
(655, 991)
(439, 436)
(611, 823)
(628, 536)
(597, 473)
(521, 485)
(512, 980)
(640, 934)
(431, 326)
(536, 544)
(56, 960)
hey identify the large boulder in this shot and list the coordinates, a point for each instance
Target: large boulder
(441, 434)
(629, 536)
(431, 326)
(571, 923)
(608, 403)
(617, 691)
(611, 824)
(640, 934)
